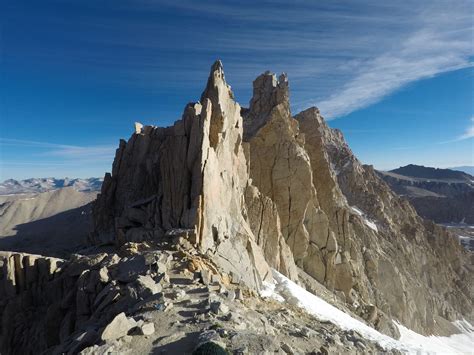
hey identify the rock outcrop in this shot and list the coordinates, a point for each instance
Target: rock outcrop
(345, 227)
(395, 256)
(148, 299)
(193, 176)
(225, 195)
(273, 190)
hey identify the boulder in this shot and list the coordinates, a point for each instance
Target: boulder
(147, 329)
(130, 268)
(146, 286)
(119, 327)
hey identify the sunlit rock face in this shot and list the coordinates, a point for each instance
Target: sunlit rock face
(257, 187)
(194, 175)
(344, 225)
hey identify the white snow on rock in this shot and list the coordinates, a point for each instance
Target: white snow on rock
(371, 224)
(410, 342)
(462, 343)
(367, 221)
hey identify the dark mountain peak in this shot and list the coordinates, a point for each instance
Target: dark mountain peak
(420, 171)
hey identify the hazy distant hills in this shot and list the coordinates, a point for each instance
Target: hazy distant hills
(46, 215)
(466, 169)
(442, 195)
(36, 185)
(423, 172)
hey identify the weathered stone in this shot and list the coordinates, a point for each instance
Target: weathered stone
(203, 176)
(218, 307)
(231, 295)
(178, 295)
(104, 275)
(129, 269)
(147, 329)
(206, 277)
(146, 286)
(291, 194)
(138, 127)
(118, 328)
(265, 223)
(239, 294)
(287, 349)
(83, 341)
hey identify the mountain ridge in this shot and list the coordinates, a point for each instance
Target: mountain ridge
(38, 185)
(301, 178)
(233, 199)
(423, 172)
(468, 169)
(441, 195)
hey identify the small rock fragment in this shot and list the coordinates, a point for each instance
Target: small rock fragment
(138, 127)
(230, 295)
(206, 277)
(239, 295)
(178, 295)
(219, 308)
(287, 349)
(147, 329)
(104, 275)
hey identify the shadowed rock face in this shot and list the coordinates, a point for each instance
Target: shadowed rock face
(273, 190)
(398, 266)
(442, 195)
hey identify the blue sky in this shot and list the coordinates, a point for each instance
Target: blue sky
(395, 77)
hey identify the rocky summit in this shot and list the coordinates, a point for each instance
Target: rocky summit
(195, 221)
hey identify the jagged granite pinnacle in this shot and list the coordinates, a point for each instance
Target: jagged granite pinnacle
(284, 191)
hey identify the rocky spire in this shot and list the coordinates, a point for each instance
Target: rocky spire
(193, 176)
(216, 83)
(268, 93)
(246, 194)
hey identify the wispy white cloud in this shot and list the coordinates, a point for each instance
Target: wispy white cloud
(64, 151)
(469, 133)
(340, 55)
(442, 43)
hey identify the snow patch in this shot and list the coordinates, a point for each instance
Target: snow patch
(368, 222)
(455, 344)
(285, 290)
(298, 296)
(371, 225)
(358, 211)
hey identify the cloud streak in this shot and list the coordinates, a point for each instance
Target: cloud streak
(340, 55)
(469, 133)
(443, 43)
(63, 151)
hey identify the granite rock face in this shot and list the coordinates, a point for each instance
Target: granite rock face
(344, 225)
(226, 194)
(192, 176)
(400, 263)
(257, 188)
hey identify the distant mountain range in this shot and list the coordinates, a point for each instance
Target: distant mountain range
(37, 185)
(442, 195)
(466, 169)
(423, 172)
